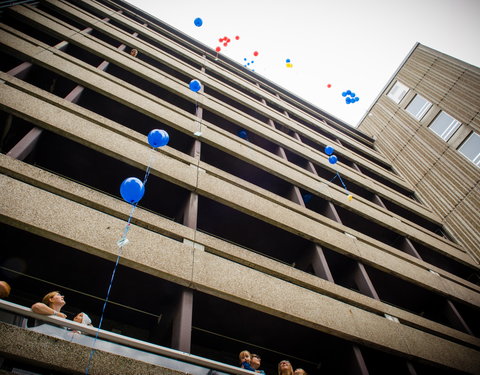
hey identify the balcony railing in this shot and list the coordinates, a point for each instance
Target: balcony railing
(114, 343)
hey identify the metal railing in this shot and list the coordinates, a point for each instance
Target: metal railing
(118, 344)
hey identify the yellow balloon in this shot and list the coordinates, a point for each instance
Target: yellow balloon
(350, 197)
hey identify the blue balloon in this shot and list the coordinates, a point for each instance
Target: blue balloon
(288, 60)
(195, 85)
(132, 190)
(307, 197)
(332, 159)
(198, 22)
(329, 150)
(352, 94)
(348, 100)
(357, 98)
(344, 93)
(158, 138)
(348, 92)
(242, 134)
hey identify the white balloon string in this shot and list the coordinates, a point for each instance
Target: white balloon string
(121, 243)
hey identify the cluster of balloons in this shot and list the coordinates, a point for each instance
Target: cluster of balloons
(132, 189)
(225, 40)
(350, 97)
(198, 22)
(195, 85)
(288, 63)
(247, 64)
(329, 150)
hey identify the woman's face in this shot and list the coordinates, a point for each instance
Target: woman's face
(285, 367)
(78, 318)
(57, 299)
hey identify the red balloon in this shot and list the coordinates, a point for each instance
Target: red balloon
(329, 85)
(237, 37)
(218, 49)
(225, 44)
(220, 40)
(255, 53)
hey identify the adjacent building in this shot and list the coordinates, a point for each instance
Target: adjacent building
(247, 236)
(427, 123)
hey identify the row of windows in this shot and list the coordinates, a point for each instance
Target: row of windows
(443, 125)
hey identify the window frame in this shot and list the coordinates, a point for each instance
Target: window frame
(451, 128)
(423, 110)
(476, 159)
(398, 98)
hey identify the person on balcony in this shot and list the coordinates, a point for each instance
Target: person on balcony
(84, 319)
(256, 362)
(300, 371)
(245, 359)
(4, 289)
(285, 368)
(51, 304)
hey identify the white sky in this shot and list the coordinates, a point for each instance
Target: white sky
(351, 44)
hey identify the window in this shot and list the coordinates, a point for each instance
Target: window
(397, 92)
(471, 148)
(418, 107)
(444, 125)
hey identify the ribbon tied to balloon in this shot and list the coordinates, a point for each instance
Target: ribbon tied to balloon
(132, 190)
(332, 159)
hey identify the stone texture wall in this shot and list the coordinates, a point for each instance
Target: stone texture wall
(443, 178)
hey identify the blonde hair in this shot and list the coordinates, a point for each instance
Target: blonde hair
(291, 368)
(242, 353)
(46, 299)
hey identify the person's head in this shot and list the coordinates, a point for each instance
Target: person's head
(4, 289)
(285, 367)
(255, 361)
(82, 318)
(53, 299)
(300, 371)
(245, 356)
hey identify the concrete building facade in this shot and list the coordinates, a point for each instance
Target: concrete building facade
(246, 237)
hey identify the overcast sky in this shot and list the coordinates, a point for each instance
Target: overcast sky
(350, 44)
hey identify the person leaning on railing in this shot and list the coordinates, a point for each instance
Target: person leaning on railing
(4, 289)
(51, 304)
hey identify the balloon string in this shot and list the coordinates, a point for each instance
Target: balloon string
(338, 175)
(147, 172)
(121, 243)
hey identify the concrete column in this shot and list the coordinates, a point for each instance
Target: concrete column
(357, 362)
(456, 319)
(182, 322)
(363, 282)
